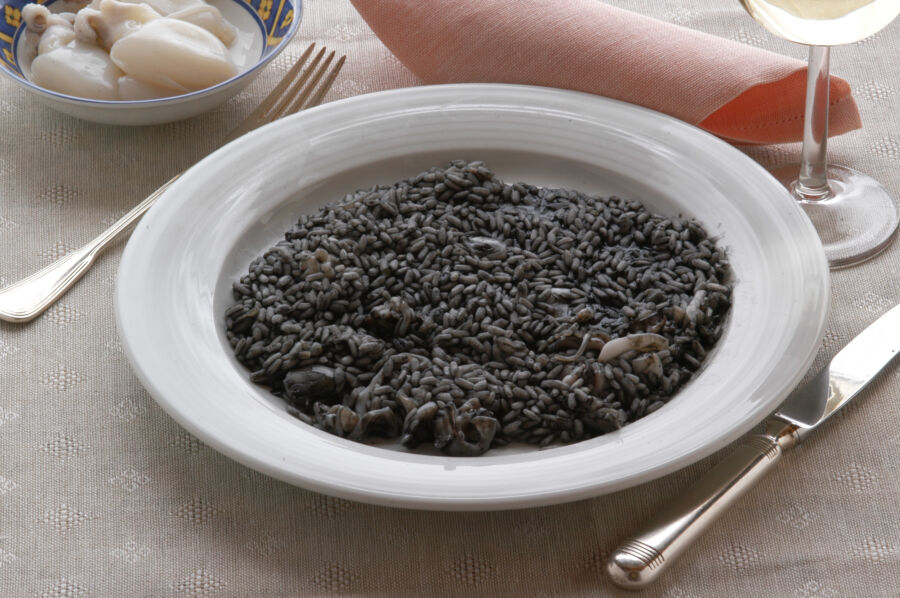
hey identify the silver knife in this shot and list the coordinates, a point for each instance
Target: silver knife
(642, 559)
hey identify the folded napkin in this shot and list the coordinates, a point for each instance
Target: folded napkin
(738, 92)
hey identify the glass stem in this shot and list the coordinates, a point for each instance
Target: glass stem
(812, 185)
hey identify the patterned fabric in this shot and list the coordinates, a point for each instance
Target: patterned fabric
(103, 495)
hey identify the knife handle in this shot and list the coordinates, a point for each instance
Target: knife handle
(643, 558)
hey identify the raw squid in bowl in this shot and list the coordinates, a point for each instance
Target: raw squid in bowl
(209, 18)
(83, 83)
(129, 50)
(78, 69)
(174, 54)
(105, 22)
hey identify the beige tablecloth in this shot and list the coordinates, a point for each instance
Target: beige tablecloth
(103, 495)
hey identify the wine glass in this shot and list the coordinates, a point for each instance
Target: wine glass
(852, 212)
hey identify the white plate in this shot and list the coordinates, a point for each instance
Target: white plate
(175, 277)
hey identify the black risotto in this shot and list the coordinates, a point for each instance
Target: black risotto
(458, 310)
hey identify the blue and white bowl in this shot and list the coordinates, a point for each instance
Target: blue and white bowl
(265, 27)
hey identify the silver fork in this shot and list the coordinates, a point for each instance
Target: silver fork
(300, 88)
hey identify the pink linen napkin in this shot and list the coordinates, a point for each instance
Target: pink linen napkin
(735, 91)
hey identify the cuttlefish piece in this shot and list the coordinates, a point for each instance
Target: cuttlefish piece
(693, 309)
(641, 342)
(134, 89)
(36, 17)
(473, 437)
(111, 21)
(649, 363)
(209, 18)
(166, 7)
(591, 341)
(77, 69)
(55, 30)
(175, 54)
(197, 12)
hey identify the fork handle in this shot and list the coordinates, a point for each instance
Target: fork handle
(31, 296)
(640, 560)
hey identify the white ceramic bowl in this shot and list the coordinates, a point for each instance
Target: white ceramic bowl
(176, 274)
(265, 27)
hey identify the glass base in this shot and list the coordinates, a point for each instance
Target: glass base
(855, 222)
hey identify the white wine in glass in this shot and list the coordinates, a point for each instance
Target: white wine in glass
(855, 216)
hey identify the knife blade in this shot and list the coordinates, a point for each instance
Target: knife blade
(854, 366)
(642, 559)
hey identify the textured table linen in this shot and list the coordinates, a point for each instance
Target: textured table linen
(103, 495)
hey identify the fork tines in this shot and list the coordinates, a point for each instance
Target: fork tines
(304, 86)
